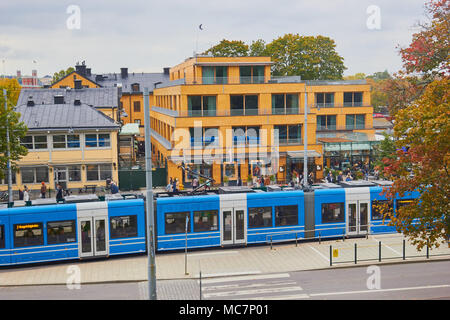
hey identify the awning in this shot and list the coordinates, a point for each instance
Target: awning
(129, 129)
(300, 154)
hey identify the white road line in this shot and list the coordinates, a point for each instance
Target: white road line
(393, 250)
(193, 255)
(248, 277)
(378, 290)
(249, 292)
(320, 254)
(254, 285)
(286, 297)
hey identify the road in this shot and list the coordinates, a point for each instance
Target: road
(405, 281)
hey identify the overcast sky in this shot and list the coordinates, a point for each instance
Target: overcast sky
(149, 35)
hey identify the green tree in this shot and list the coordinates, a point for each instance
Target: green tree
(228, 48)
(61, 74)
(10, 119)
(313, 58)
(258, 48)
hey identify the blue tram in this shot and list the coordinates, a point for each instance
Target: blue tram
(226, 217)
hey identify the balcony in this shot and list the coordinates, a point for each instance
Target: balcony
(343, 128)
(339, 105)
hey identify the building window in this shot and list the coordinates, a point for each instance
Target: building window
(246, 135)
(28, 234)
(61, 232)
(2, 236)
(206, 220)
(136, 106)
(355, 121)
(204, 137)
(66, 141)
(288, 134)
(98, 172)
(97, 140)
(74, 173)
(243, 105)
(325, 100)
(214, 75)
(251, 74)
(284, 103)
(260, 217)
(353, 99)
(333, 212)
(34, 142)
(135, 87)
(286, 215)
(34, 174)
(201, 106)
(175, 222)
(5, 177)
(327, 122)
(123, 227)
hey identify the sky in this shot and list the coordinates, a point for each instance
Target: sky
(147, 36)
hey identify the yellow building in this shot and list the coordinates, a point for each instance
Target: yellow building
(228, 118)
(69, 143)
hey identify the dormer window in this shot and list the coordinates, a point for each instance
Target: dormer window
(135, 87)
(59, 99)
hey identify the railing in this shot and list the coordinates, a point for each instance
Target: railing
(342, 128)
(339, 105)
(239, 112)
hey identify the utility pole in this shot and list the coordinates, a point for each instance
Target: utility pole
(149, 202)
(8, 151)
(305, 144)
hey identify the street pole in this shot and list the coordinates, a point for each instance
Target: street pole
(305, 144)
(149, 202)
(8, 151)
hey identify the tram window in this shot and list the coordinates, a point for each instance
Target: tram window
(28, 234)
(61, 232)
(205, 220)
(2, 236)
(260, 217)
(333, 212)
(175, 222)
(402, 203)
(123, 227)
(286, 215)
(378, 206)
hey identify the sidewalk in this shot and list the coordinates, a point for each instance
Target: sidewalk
(309, 255)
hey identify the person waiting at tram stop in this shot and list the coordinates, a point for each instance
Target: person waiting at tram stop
(43, 189)
(114, 188)
(59, 193)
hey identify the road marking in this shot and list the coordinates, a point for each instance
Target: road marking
(378, 290)
(249, 292)
(286, 297)
(393, 250)
(320, 254)
(193, 255)
(255, 285)
(248, 277)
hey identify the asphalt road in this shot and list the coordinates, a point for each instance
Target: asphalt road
(405, 281)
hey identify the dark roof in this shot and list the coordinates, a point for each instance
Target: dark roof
(64, 116)
(96, 97)
(143, 79)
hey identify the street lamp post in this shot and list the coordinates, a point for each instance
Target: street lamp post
(305, 144)
(149, 201)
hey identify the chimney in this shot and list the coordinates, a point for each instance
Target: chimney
(124, 72)
(77, 102)
(59, 99)
(166, 70)
(78, 84)
(34, 73)
(19, 74)
(81, 69)
(88, 72)
(98, 78)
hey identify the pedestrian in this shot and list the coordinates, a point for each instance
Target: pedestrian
(20, 194)
(26, 194)
(174, 185)
(43, 190)
(329, 177)
(349, 177)
(114, 188)
(59, 193)
(340, 177)
(194, 183)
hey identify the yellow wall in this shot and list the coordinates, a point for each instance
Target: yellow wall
(69, 81)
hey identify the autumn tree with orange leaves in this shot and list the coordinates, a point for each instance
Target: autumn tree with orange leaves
(422, 133)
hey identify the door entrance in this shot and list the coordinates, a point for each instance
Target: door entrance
(357, 217)
(60, 177)
(93, 231)
(234, 226)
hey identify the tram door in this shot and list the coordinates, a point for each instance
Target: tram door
(93, 231)
(357, 217)
(233, 226)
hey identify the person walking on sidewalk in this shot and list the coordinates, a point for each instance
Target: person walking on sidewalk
(43, 190)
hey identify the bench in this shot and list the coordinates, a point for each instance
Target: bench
(91, 187)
